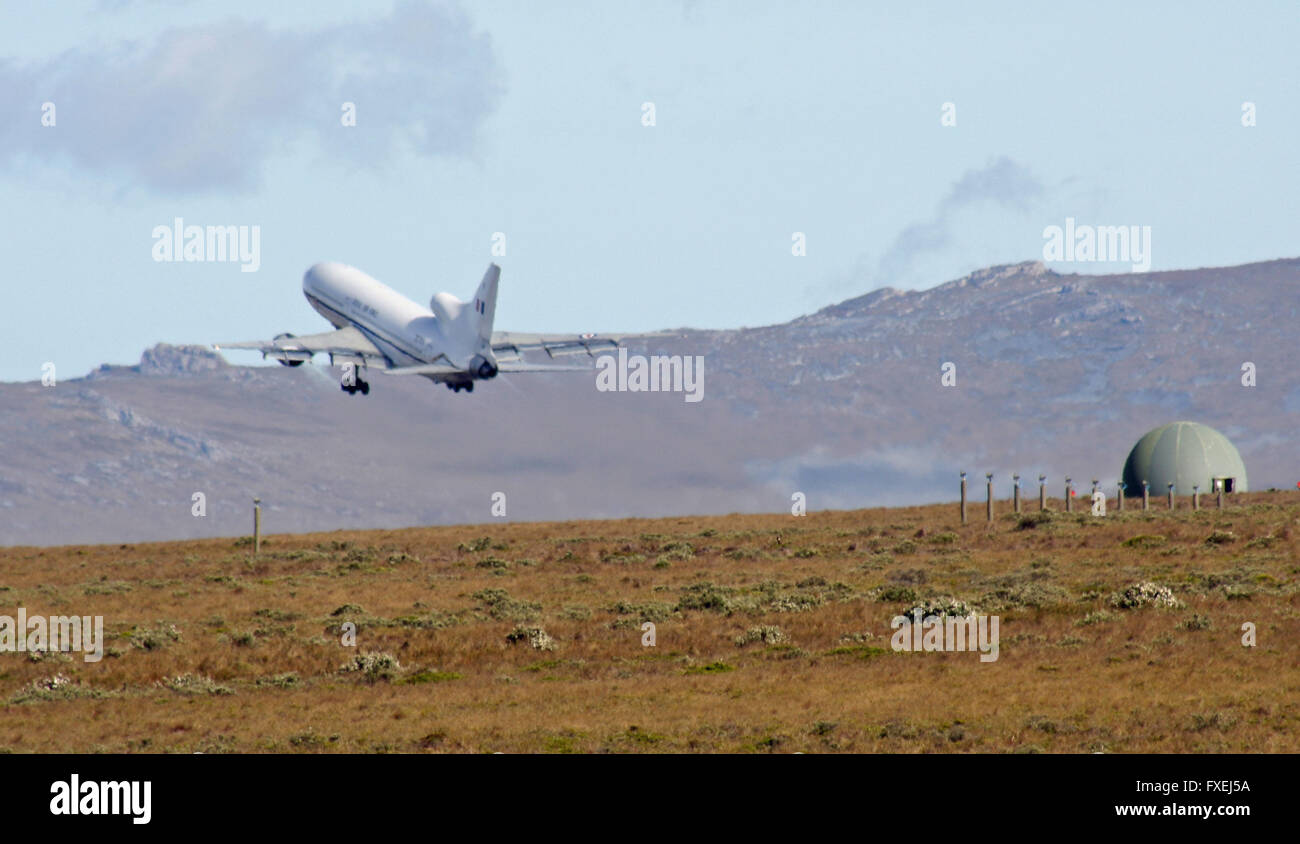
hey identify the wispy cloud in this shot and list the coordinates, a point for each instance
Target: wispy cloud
(202, 109)
(1002, 182)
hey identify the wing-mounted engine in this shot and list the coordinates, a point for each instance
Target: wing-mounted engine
(288, 358)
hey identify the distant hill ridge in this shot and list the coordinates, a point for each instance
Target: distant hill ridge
(1055, 373)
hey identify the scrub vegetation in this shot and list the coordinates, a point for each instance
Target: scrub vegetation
(772, 634)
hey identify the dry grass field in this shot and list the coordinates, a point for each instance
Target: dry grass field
(772, 635)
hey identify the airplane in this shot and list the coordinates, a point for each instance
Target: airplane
(450, 342)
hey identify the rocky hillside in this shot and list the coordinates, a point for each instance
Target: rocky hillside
(1055, 373)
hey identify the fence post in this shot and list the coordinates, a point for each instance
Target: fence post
(963, 498)
(257, 526)
(988, 512)
(1015, 493)
(1042, 492)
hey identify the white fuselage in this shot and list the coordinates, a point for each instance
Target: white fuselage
(405, 332)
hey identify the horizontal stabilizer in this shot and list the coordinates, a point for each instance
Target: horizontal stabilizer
(426, 369)
(521, 366)
(512, 344)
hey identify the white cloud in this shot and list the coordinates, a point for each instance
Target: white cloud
(203, 108)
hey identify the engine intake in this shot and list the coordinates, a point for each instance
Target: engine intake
(285, 361)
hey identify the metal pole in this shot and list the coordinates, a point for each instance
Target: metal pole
(1015, 493)
(1146, 496)
(988, 512)
(1068, 504)
(1219, 486)
(1120, 502)
(1042, 492)
(963, 498)
(1171, 496)
(1196, 496)
(257, 525)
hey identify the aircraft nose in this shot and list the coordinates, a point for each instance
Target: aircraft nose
(319, 274)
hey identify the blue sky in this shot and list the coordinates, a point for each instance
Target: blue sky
(526, 119)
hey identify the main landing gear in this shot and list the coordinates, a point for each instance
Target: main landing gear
(362, 387)
(457, 386)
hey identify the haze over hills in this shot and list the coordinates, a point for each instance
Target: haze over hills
(1055, 373)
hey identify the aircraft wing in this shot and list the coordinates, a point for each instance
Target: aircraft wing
(520, 366)
(431, 369)
(346, 345)
(438, 370)
(510, 345)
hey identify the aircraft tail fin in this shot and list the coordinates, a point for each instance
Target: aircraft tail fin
(485, 303)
